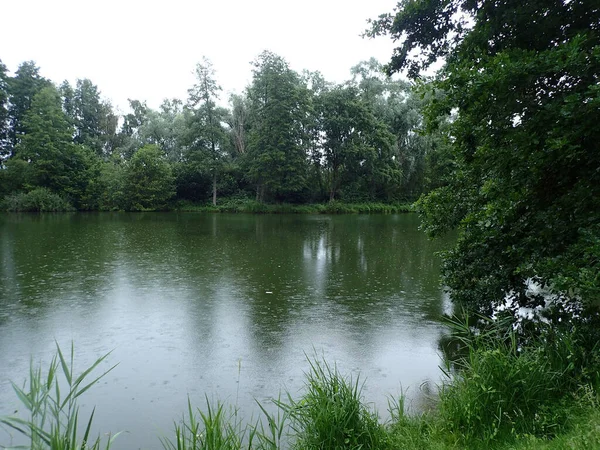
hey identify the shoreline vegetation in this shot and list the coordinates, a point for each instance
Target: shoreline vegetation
(334, 207)
(42, 200)
(502, 392)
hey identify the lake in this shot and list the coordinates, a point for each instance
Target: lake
(221, 305)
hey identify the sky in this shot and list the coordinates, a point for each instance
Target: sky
(147, 50)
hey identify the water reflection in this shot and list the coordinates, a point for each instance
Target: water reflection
(225, 305)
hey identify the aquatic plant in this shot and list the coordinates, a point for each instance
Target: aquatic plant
(53, 421)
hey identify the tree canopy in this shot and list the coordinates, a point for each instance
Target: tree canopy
(522, 82)
(289, 137)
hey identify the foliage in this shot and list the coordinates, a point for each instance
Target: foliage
(94, 121)
(219, 428)
(245, 205)
(331, 414)
(53, 160)
(354, 141)
(275, 158)
(37, 200)
(524, 191)
(148, 180)
(4, 105)
(205, 137)
(289, 138)
(53, 421)
(213, 430)
(22, 89)
(507, 386)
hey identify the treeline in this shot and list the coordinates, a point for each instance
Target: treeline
(290, 137)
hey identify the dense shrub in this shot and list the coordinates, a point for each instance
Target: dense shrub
(510, 385)
(37, 200)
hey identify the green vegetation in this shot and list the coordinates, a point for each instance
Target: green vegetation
(510, 159)
(255, 207)
(523, 189)
(37, 200)
(331, 414)
(53, 421)
(290, 138)
(498, 395)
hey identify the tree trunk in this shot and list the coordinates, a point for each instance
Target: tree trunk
(214, 190)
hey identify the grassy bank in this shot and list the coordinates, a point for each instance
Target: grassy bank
(254, 207)
(503, 393)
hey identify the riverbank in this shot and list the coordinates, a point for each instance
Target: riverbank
(42, 200)
(501, 394)
(335, 207)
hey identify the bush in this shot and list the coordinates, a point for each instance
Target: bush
(37, 200)
(509, 385)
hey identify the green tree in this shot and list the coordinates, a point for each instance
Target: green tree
(53, 160)
(525, 192)
(23, 87)
(131, 135)
(94, 121)
(206, 136)
(238, 123)
(355, 144)
(316, 86)
(165, 128)
(276, 157)
(148, 180)
(400, 104)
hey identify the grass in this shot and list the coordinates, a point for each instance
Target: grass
(254, 207)
(331, 414)
(506, 391)
(53, 421)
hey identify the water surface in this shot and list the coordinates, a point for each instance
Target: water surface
(222, 305)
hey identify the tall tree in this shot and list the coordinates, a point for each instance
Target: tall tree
(400, 105)
(129, 139)
(207, 137)
(4, 105)
(354, 140)
(94, 121)
(53, 160)
(276, 157)
(165, 128)
(525, 193)
(23, 87)
(238, 123)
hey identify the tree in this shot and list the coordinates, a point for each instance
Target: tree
(276, 158)
(165, 128)
(238, 123)
(525, 192)
(53, 160)
(23, 87)
(4, 124)
(148, 180)
(206, 136)
(93, 119)
(354, 143)
(130, 137)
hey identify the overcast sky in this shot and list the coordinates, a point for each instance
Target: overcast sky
(147, 50)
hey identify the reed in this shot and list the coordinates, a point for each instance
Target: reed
(54, 421)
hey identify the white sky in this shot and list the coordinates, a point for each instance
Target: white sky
(147, 50)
